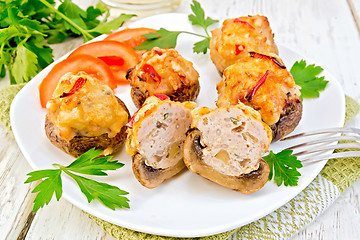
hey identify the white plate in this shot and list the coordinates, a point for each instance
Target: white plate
(186, 205)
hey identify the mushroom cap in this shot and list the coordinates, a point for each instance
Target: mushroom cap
(245, 183)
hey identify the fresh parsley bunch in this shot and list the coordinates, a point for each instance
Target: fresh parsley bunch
(28, 27)
(88, 163)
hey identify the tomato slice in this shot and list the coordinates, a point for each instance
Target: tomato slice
(118, 56)
(131, 37)
(89, 64)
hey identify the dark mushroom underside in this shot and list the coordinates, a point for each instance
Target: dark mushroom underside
(289, 119)
(246, 183)
(152, 177)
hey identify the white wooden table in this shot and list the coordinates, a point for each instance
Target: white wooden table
(327, 31)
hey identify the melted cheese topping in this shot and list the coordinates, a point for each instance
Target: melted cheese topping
(234, 138)
(270, 98)
(253, 36)
(158, 132)
(90, 111)
(175, 72)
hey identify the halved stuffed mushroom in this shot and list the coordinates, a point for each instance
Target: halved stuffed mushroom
(163, 71)
(226, 145)
(83, 114)
(239, 36)
(155, 140)
(264, 83)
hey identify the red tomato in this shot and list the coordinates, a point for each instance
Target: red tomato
(89, 64)
(131, 37)
(118, 56)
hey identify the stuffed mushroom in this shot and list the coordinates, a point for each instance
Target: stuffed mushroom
(163, 71)
(239, 36)
(264, 83)
(83, 114)
(155, 140)
(226, 145)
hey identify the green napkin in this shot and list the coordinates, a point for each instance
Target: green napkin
(335, 178)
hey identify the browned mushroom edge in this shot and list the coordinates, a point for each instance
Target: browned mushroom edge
(245, 183)
(289, 119)
(152, 177)
(182, 94)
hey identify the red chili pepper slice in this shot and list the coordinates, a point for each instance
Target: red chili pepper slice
(274, 59)
(130, 124)
(244, 22)
(113, 60)
(78, 85)
(239, 48)
(251, 94)
(150, 69)
(162, 97)
(158, 52)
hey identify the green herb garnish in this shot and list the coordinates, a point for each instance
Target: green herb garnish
(87, 163)
(283, 168)
(234, 120)
(167, 39)
(166, 115)
(306, 76)
(28, 27)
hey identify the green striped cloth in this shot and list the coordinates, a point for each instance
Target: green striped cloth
(335, 178)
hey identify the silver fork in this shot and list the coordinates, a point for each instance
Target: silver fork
(318, 145)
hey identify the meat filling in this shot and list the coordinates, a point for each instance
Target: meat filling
(161, 137)
(234, 143)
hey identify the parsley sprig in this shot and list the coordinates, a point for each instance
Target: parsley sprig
(283, 167)
(306, 76)
(164, 38)
(88, 163)
(28, 27)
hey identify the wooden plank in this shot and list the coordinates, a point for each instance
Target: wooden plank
(62, 220)
(355, 11)
(15, 197)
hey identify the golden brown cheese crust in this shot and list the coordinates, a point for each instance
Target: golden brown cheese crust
(85, 114)
(238, 37)
(270, 98)
(83, 106)
(163, 71)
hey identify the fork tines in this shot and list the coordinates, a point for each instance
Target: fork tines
(323, 142)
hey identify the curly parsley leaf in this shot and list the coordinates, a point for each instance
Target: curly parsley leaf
(111, 25)
(283, 167)
(164, 38)
(110, 196)
(306, 76)
(198, 18)
(24, 64)
(46, 189)
(202, 46)
(88, 163)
